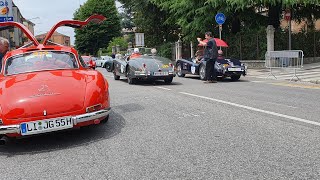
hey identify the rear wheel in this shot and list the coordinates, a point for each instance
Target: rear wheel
(235, 77)
(130, 79)
(202, 72)
(116, 77)
(168, 80)
(179, 70)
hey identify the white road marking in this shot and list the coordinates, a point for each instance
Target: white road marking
(255, 109)
(163, 88)
(282, 105)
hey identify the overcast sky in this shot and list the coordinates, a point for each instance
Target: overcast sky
(46, 13)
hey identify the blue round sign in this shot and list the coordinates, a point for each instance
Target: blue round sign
(220, 18)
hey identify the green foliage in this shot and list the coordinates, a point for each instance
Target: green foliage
(251, 45)
(94, 36)
(151, 20)
(117, 41)
(165, 50)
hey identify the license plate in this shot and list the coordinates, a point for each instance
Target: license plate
(160, 73)
(234, 69)
(47, 125)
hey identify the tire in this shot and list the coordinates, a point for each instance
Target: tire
(235, 77)
(168, 80)
(115, 76)
(130, 79)
(105, 119)
(202, 72)
(179, 71)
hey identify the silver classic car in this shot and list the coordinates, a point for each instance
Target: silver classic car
(143, 67)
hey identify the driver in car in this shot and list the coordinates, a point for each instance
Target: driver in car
(135, 53)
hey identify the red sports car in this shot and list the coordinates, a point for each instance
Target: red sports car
(47, 87)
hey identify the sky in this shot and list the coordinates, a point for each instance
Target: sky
(46, 13)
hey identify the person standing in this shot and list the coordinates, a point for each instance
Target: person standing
(4, 47)
(210, 56)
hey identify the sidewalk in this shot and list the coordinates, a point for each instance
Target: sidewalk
(309, 73)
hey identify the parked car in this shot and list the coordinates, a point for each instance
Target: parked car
(143, 68)
(101, 62)
(232, 68)
(47, 87)
(225, 67)
(89, 60)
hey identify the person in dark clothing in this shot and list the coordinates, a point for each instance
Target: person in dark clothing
(210, 56)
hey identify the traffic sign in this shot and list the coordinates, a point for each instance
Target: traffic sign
(220, 18)
(6, 10)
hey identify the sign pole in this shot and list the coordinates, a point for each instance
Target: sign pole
(287, 16)
(290, 34)
(220, 19)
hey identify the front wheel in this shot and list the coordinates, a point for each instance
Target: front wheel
(202, 72)
(168, 80)
(179, 71)
(105, 119)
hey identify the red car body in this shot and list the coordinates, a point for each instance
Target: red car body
(47, 87)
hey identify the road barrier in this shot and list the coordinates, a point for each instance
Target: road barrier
(289, 59)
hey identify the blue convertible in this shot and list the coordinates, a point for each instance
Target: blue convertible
(225, 67)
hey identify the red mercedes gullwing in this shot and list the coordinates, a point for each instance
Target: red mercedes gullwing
(48, 87)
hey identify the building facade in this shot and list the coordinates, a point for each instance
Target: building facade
(56, 38)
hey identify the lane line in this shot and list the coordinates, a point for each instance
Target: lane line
(163, 88)
(255, 109)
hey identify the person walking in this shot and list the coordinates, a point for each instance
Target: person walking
(210, 56)
(4, 47)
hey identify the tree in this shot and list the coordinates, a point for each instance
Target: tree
(151, 20)
(94, 36)
(197, 16)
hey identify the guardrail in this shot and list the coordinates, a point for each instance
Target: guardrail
(289, 59)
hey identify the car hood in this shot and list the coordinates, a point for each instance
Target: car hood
(42, 93)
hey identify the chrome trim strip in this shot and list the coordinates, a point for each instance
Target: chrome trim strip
(90, 116)
(76, 119)
(10, 129)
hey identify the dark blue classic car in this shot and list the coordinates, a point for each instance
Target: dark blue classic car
(225, 67)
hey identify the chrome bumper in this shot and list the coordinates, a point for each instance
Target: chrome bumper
(76, 119)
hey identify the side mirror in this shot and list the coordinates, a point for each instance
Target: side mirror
(92, 64)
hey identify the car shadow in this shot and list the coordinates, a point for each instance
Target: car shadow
(225, 80)
(152, 83)
(65, 139)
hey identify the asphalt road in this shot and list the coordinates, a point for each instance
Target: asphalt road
(250, 129)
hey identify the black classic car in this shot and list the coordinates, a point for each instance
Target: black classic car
(225, 67)
(143, 67)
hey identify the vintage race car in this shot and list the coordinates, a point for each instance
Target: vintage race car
(46, 87)
(226, 67)
(144, 67)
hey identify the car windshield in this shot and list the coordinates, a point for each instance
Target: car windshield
(39, 61)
